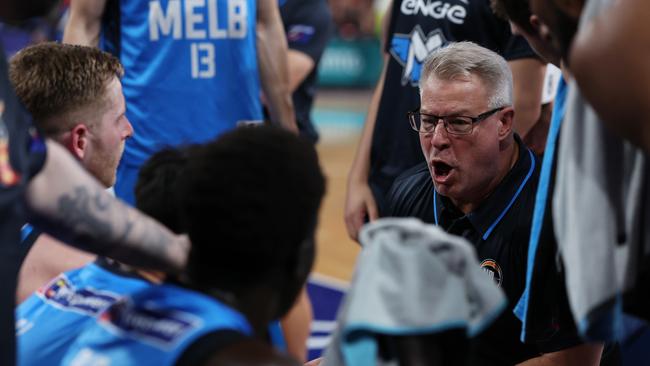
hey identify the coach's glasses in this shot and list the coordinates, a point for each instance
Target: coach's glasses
(456, 125)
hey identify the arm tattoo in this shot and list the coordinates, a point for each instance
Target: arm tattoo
(79, 211)
(102, 225)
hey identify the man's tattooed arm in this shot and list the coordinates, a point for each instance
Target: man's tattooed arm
(70, 205)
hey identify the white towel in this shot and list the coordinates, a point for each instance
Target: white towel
(600, 212)
(411, 278)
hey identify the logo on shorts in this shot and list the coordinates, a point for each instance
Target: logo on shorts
(300, 33)
(62, 294)
(493, 270)
(162, 328)
(410, 50)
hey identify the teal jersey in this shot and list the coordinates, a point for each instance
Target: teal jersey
(153, 327)
(49, 321)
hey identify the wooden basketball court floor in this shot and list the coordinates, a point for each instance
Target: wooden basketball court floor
(338, 115)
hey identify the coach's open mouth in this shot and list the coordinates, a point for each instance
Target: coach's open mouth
(441, 170)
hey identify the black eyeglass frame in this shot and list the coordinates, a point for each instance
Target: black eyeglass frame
(445, 120)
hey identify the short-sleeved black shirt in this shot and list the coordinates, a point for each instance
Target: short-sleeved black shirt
(416, 29)
(499, 229)
(308, 26)
(22, 154)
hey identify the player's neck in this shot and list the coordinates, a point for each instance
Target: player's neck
(258, 305)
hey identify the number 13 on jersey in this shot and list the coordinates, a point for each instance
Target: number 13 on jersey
(202, 56)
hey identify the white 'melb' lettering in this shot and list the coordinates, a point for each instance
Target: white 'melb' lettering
(158, 22)
(213, 12)
(435, 9)
(237, 14)
(191, 18)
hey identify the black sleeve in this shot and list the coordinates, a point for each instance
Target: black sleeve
(308, 27)
(559, 342)
(411, 195)
(565, 334)
(555, 309)
(207, 345)
(516, 47)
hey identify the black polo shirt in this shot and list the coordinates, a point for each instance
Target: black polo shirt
(499, 229)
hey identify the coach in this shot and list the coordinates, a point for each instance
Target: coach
(479, 182)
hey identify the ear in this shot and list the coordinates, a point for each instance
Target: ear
(535, 22)
(78, 142)
(506, 117)
(541, 29)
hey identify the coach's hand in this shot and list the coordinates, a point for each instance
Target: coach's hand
(359, 203)
(315, 362)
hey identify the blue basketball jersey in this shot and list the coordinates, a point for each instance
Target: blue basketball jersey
(153, 327)
(190, 69)
(49, 321)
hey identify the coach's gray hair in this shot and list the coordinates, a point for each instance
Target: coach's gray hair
(465, 58)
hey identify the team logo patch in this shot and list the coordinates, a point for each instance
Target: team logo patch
(493, 270)
(62, 294)
(158, 327)
(300, 33)
(410, 50)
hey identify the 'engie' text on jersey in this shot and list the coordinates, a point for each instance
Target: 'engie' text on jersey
(198, 20)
